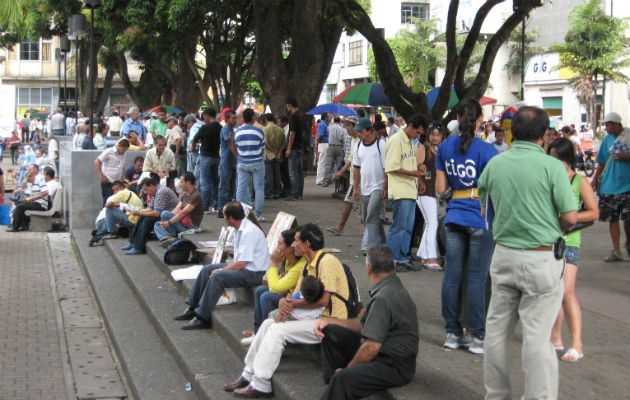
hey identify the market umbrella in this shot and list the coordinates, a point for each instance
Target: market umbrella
(432, 96)
(332, 108)
(368, 94)
(485, 100)
(169, 109)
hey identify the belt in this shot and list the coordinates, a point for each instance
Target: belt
(541, 248)
(330, 144)
(466, 194)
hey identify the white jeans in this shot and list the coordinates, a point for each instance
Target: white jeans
(263, 356)
(428, 245)
(321, 163)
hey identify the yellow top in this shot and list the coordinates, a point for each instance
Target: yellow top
(128, 197)
(333, 277)
(399, 154)
(286, 283)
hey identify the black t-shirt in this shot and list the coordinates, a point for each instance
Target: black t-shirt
(209, 136)
(131, 174)
(296, 124)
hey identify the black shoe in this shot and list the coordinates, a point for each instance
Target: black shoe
(94, 231)
(13, 230)
(197, 323)
(91, 242)
(186, 315)
(220, 215)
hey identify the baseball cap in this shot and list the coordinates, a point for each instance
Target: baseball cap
(352, 120)
(612, 117)
(190, 118)
(363, 124)
(154, 115)
(171, 118)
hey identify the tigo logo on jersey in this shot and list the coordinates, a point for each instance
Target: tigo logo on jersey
(466, 172)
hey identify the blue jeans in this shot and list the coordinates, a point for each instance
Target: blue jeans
(207, 289)
(264, 303)
(374, 232)
(191, 161)
(244, 173)
(399, 238)
(172, 230)
(113, 216)
(208, 180)
(475, 246)
(227, 183)
(296, 173)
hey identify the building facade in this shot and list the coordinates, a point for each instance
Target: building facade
(32, 79)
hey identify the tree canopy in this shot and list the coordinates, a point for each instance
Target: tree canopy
(594, 47)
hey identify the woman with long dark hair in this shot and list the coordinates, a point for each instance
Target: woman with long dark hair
(564, 150)
(460, 161)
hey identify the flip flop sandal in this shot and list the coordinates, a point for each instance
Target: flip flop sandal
(572, 355)
(433, 267)
(334, 231)
(558, 348)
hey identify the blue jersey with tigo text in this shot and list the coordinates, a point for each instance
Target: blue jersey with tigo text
(462, 172)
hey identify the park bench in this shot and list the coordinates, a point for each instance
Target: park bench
(42, 221)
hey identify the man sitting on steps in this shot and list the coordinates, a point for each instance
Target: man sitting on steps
(251, 260)
(265, 352)
(377, 351)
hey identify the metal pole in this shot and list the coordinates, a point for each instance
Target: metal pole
(92, 71)
(76, 84)
(523, 59)
(65, 87)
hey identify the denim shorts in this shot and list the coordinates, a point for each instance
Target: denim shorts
(572, 255)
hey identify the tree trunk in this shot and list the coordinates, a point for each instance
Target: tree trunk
(103, 95)
(314, 38)
(186, 93)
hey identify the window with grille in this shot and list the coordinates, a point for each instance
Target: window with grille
(355, 50)
(29, 50)
(408, 11)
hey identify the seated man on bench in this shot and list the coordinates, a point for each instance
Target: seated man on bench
(251, 260)
(39, 193)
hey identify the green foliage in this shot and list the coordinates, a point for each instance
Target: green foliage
(594, 46)
(513, 65)
(255, 90)
(417, 55)
(475, 58)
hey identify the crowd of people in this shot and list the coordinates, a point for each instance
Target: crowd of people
(528, 244)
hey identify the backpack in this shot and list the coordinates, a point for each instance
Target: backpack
(353, 302)
(178, 252)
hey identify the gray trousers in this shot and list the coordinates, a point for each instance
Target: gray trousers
(334, 154)
(371, 206)
(526, 286)
(207, 290)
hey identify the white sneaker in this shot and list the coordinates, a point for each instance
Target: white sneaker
(261, 219)
(246, 341)
(454, 341)
(210, 211)
(476, 346)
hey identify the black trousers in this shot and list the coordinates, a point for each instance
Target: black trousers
(20, 219)
(284, 176)
(106, 191)
(140, 233)
(338, 347)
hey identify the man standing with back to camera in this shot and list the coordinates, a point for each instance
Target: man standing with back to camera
(527, 190)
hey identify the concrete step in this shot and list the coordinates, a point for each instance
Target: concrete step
(294, 378)
(150, 369)
(298, 375)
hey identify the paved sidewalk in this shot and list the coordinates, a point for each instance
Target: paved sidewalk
(52, 344)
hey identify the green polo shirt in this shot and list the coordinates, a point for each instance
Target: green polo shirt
(391, 319)
(528, 190)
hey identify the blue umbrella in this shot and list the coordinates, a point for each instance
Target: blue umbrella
(432, 96)
(332, 108)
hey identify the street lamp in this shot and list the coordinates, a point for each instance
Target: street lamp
(76, 30)
(64, 47)
(92, 5)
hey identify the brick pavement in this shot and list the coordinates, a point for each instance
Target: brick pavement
(31, 362)
(52, 343)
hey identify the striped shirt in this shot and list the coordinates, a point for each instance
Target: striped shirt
(164, 200)
(112, 164)
(250, 143)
